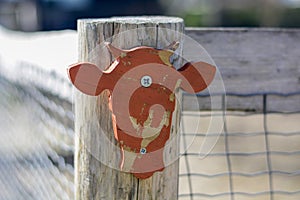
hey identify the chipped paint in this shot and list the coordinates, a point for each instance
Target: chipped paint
(134, 123)
(172, 97)
(151, 133)
(165, 56)
(168, 117)
(128, 161)
(123, 55)
(146, 121)
(148, 130)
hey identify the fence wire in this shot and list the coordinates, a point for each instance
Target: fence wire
(36, 146)
(256, 157)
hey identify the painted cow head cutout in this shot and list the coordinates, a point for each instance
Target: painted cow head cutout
(142, 83)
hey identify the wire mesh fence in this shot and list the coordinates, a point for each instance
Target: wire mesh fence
(256, 157)
(36, 146)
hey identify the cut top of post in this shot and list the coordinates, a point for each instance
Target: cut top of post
(136, 20)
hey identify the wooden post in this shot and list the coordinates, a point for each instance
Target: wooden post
(95, 156)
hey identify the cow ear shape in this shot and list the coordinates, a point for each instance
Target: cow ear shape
(197, 75)
(115, 52)
(87, 78)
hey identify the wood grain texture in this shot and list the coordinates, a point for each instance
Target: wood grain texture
(251, 61)
(93, 179)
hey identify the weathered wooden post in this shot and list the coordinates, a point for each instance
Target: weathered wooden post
(96, 176)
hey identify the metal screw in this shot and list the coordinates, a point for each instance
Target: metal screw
(143, 150)
(146, 81)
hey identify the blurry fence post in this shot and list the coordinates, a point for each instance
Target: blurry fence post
(94, 178)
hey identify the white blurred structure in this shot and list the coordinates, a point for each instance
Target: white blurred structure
(48, 52)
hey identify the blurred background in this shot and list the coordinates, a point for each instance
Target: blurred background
(44, 15)
(257, 156)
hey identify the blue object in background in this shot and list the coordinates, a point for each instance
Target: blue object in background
(45, 15)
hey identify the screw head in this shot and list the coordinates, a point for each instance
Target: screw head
(146, 81)
(143, 150)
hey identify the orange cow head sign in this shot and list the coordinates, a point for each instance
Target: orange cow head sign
(142, 84)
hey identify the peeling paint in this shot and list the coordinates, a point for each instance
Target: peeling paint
(172, 97)
(149, 131)
(134, 123)
(147, 140)
(165, 56)
(168, 117)
(123, 55)
(148, 115)
(128, 161)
